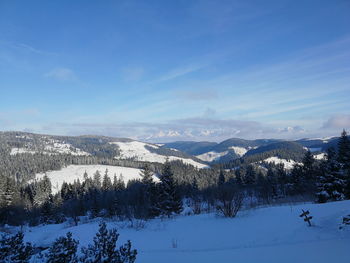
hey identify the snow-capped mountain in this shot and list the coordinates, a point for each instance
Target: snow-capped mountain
(147, 152)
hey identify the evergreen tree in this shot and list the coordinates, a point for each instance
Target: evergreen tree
(239, 180)
(104, 248)
(221, 180)
(170, 201)
(331, 183)
(250, 176)
(344, 151)
(63, 250)
(146, 174)
(106, 183)
(150, 193)
(97, 180)
(344, 159)
(13, 249)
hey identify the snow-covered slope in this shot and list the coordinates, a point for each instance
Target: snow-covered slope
(320, 156)
(215, 156)
(74, 172)
(239, 150)
(211, 156)
(288, 164)
(264, 235)
(52, 147)
(138, 151)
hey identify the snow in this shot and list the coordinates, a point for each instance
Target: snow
(137, 150)
(239, 150)
(270, 234)
(211, 156)
(73, 172)
(15, 151)
(320, 156)
(56, 146)
(53, 147)
(288, 164)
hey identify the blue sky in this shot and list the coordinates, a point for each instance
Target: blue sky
(176, 70)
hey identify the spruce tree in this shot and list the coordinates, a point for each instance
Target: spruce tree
(63, 250)
(221, 180)
(104, 248)
(169, 199)
(331, 183)
(150, 193)
(13, 249)
(344, 159)
(344, 151)
(106, 182)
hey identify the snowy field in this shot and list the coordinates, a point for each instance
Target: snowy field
(139, 152)
(73, 172)
(263, 235)
(214, 156)
(288, 164)
(211, 156)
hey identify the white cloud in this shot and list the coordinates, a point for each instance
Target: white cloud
(62, 74)
(339, 121)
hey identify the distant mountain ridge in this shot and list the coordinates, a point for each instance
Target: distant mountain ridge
(190, 152)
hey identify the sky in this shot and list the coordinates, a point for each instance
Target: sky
(176, 70)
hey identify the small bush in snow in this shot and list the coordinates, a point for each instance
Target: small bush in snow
(229, 201)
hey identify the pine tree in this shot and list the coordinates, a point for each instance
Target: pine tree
(13, 249)
(106, 183)
(97, 180)
(344, 159)
(250, 176)
(331, 183)
(104, 248)
(63, 250)
(118, 183)
(150, 194)
(146, 174)
(169, 199)
(344, 151)
(221, 180)
(238, 175)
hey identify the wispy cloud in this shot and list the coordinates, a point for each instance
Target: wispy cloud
(132, 74)
(198, 95)
(62, 74)
(180, 71)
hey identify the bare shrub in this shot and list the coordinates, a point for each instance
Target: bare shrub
(229, 201)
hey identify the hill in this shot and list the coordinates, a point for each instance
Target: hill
(271, 234)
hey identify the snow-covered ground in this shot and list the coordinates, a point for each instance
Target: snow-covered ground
(138, 151)
(15, 151)
(320, 156)
(214, 156)
(263, 235)
(53, 147)
(288, 164)
(239, 150)
(73, 172)
(211, 156)
(56, 146)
